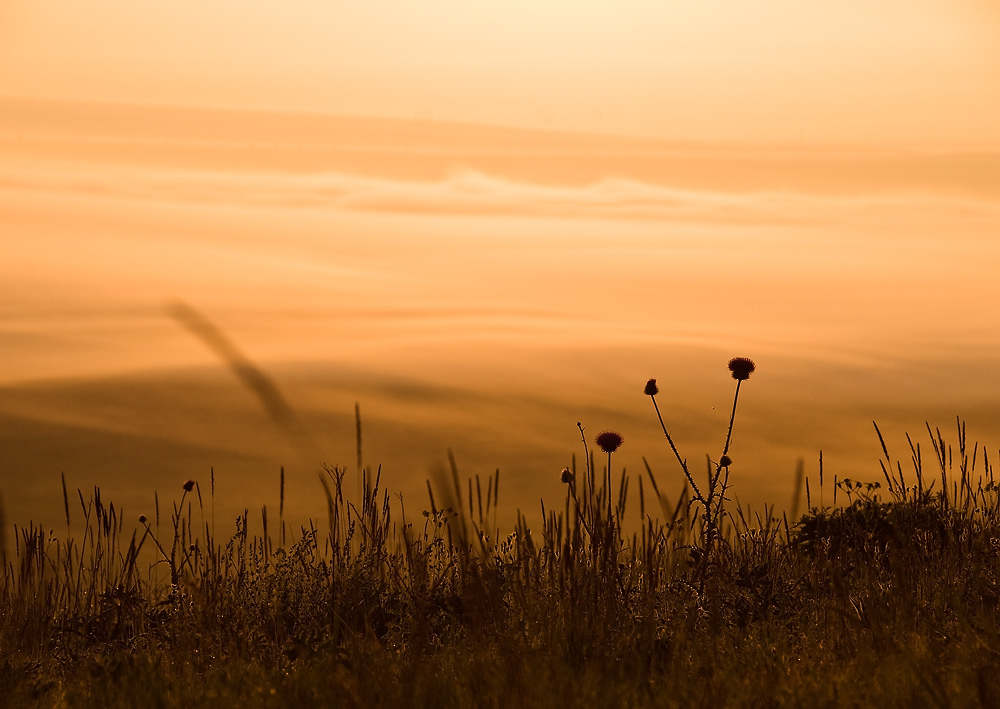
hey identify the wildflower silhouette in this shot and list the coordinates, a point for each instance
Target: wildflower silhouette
(741, 367)
(609, 442)
(713, 499)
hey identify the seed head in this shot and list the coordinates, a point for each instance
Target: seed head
(741, 367)
(609, 441)
(142, 519)
(651, 388)
(188, 485)
(725, 461)
(567, 476)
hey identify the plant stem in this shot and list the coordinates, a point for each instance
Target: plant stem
(732, 418)
(683, 463)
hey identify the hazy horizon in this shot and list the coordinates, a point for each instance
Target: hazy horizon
(475, 288)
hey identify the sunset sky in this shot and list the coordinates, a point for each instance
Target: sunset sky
(486, 221)
(914, 72)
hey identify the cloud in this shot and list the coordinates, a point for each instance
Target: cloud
(471, 192)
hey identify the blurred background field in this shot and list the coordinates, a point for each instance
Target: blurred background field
(474, 288)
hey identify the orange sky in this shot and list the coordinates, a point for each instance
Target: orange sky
(472, 285)
(921, 71)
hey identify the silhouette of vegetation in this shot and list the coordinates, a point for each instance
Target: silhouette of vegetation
(879, 601)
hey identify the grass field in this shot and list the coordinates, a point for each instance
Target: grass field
(885, 595)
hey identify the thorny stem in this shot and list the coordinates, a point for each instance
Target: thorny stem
(684, 467)
(732, 418)
(609, 487)
(713, 504)
(713, 519)
(579, 512)
(586, 456)
(698, 497)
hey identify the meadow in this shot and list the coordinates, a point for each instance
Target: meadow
(629, 592)
(232, 233)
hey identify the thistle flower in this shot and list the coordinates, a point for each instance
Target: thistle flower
(725, 461)
(567, 476)
(609, 441)
(741, 367)
(188, 485)
(651, 388)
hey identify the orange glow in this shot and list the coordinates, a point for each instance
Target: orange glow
(485, 222)
(916, 72)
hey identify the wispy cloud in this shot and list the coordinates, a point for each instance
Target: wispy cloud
(472, 192)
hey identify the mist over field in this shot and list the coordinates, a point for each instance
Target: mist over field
(474, 288)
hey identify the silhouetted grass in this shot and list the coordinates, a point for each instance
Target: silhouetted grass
(889, 598)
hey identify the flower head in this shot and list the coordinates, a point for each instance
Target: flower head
(609, 441)
(651, 388)
(725, 461)
(188, 485)
(741, 367)
(142, 519)
(567, 475)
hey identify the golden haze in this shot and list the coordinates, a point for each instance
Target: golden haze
(919, 72)
(485, 225)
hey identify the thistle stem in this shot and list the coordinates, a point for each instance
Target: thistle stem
(732, 418)
(609, 488)
(683, 463)
(586, 457)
